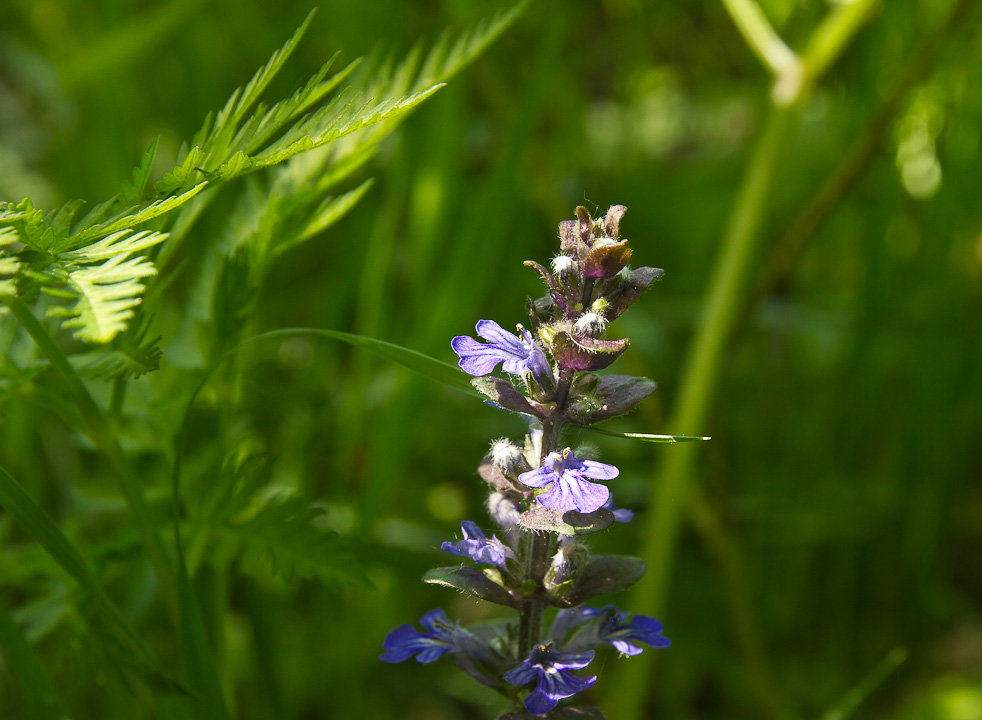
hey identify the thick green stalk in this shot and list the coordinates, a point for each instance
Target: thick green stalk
(699, 379)
(728, 293)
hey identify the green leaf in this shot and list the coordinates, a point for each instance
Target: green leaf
(126, 222)
(601, 398)
(125, 361)
(330, 211)
(28, 672)
(470, 581)
(105, 293)
(602, 574)
(43, 529)
(199, 660)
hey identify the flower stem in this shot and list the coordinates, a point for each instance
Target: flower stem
(538, 546)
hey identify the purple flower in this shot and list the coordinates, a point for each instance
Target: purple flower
(404, 642)
(555, 681)
(478, 547)
(517, 354)
(611, 626)
(570, 490)
(622, 515)
(570, 618)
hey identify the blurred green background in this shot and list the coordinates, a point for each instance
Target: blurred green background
(847, 424)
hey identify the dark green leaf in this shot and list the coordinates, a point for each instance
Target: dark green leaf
(501, 392)
(470, 581)
(601, 574)
(610, 396)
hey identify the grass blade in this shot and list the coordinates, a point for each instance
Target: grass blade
(15, 500)
(854, 698)
(28, 672)
(429, 367)
(648, 437)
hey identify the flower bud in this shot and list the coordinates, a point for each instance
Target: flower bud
(612, 222)
(590, 324)
(570, 557)
(507, 456)
(504, 510)
(563, 266)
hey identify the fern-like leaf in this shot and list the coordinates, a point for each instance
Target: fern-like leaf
(242, 520)
(105, 282)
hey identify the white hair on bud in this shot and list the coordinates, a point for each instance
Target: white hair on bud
(506, 455)
(590, 324)
(563, 265)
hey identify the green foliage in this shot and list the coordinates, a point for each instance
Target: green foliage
(266, 530)
(833, 517)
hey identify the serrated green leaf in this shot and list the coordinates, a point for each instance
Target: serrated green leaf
(330, 211)
(134, 189)
(118, 362)
(130, 220)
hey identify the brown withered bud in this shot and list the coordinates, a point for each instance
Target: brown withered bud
(584, 225)
(570, 242)
(612, 222)
(606, 259)
(585, 353)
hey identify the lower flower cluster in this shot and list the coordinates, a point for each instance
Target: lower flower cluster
(546, 496)
(572, 639)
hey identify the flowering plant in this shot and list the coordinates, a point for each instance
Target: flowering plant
(545, 496)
